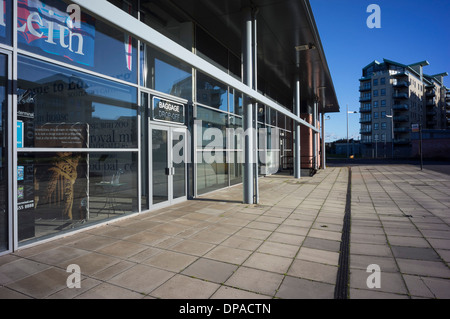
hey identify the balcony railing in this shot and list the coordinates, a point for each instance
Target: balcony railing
(431, 94)
(400, 74)
(365, 98)
(401, 84)
(365, 109)
(400, 95)
(400, 107)
(365, 88)
(365, 131)
(365, 120)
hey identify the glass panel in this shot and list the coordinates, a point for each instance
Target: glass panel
(4, 154)
(5, 21)
(179, 164)
(45, 28)
(63, 108)
(211, 93)
(235, 154)
(165, 74)
(62, 191)
(160, 180)
(212, 168)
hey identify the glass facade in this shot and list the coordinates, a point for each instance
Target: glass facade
(99, 136)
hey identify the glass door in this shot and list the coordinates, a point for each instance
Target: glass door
(167, 174)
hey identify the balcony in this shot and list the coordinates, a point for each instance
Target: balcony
(365, 99)
(400, 95)
(365, 120)
(365, 110)
(400, 74)
(400, 107)
(401, 129)
(431, 113)
(431, 103)
(400, 84)
(431, 94)
(401, 118)
(363, 88)
(365, 131)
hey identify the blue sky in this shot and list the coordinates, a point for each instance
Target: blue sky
(411, 31)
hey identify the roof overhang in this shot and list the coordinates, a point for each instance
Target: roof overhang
(282, 25)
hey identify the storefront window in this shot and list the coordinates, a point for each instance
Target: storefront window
(5, 21)
(61, 108)
(62, 191)
(46, 28)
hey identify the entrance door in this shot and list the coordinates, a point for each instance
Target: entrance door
(167, 164)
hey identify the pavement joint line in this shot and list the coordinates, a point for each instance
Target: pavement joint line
(343, 276)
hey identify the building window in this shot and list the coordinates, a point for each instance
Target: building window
(375, 104)
(383, 92)
(375, 115)
(375, 93)
(383, 81)
(383, 137)
(383, 125)
(375, 82)
(383, 103)
(383, 115)
(376, 126)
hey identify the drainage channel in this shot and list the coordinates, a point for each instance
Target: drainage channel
(342, 281)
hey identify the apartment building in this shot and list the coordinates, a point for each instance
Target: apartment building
(393, 97)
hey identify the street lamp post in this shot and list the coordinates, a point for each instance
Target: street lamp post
(348, 146)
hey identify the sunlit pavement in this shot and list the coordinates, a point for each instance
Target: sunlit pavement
(288, 246)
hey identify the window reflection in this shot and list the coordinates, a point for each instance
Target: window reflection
(5, 21)
(165, 74)
(82, 43)
(211, 92)
(67, 109)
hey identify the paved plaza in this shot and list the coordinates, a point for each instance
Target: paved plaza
(289, 246)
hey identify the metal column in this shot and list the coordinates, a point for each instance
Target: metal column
(297, 143)
(314, 136)
(247, 54)
(324, 165)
